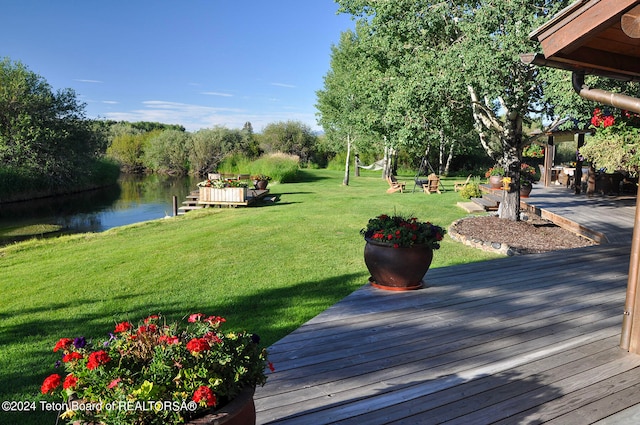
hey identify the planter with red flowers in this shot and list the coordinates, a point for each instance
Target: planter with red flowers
(399, 251)
(160, 373)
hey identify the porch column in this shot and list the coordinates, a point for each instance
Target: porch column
(630, 338)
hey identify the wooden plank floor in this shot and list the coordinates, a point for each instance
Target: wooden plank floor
(521, 340)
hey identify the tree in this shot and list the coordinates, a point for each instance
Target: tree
(292, 137)
(41, 131)
(208, 147)
(167, 152)
(341, 104)
(463, 45)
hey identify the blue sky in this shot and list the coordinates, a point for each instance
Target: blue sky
(198, 63)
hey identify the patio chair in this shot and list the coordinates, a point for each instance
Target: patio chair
(460, 185)
(395, 185)
(432, 185)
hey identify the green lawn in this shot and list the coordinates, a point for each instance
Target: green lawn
(266, 269)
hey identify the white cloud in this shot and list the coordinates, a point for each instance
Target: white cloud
(90, 81)
(196, 117)
(284, 85)
(110, 102)
(215, 93)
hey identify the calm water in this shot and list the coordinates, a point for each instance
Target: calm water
(134, 199)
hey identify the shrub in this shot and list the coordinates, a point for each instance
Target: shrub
(471, 189)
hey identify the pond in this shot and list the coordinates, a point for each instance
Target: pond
(134, 199)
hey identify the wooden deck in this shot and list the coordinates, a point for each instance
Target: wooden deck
(520, 340)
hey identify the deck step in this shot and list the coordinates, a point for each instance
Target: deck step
(487, 204)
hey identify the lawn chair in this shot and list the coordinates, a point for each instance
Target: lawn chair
(395, 185)
(432, 185)
(460, 185)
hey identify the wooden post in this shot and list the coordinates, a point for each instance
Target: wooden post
(175, 205)
(548, 161)
(630, 338)
(577, 174)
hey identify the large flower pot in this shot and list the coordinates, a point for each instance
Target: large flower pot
(397, 269)
(495, 182)
(525, 191)
(240, 411)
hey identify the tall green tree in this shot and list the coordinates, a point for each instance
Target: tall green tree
(42, 131)
(459, 46)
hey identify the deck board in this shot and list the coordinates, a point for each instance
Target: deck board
(527, 339)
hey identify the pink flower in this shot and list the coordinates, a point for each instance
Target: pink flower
(114, 383)
(195, 317)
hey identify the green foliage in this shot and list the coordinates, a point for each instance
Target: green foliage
(156, 360)
(291, 137)
(281, 167)
(166, 152)
(128, 148)
(471, 189)
(42, 131)
(209, 147)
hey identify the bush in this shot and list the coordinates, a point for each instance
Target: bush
(471, 189)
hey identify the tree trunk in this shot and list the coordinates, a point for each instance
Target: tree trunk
(449, 159)
(345, 181)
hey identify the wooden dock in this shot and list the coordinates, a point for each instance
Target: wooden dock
(520, 340)
(193, 202)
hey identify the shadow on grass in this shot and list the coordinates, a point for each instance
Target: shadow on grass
(21, 375)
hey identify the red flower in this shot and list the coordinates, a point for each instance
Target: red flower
(215, 320)
(197, 345)
(71, 356)
(205, 395)
(608, 121)
(123, 327)
(50, 383)
(212, 337)
(69, 382)
(97, 358)
(271, 368)
(169, 340)
(151, 318)
(147, 328)
(195, 317)
(395, 245)
(63, 344)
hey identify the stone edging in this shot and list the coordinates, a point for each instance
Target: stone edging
(489, 246)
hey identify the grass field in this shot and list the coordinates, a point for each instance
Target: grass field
(267, 269)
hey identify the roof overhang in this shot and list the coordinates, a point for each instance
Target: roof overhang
(600, 37)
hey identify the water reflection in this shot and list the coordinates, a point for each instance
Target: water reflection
(133, 199)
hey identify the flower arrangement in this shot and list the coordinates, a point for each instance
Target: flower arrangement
(156, 373)
(533, 151)
(262, 177)
(494, 171)
(398, 231)
(527, 175)
(615, 144)
(219, 184)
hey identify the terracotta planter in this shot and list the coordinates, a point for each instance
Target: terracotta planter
(397, 269)
(495, 182)
(525, 191)
(241, 411)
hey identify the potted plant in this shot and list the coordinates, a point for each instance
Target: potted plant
(399, 250)
(158, 373)
(260, 181)
(527, 177)
(495, 175)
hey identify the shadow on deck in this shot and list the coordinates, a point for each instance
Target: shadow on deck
(520, 340)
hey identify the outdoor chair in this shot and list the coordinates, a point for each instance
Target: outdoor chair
(460, 185)
(395, 185)
(432, 185)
